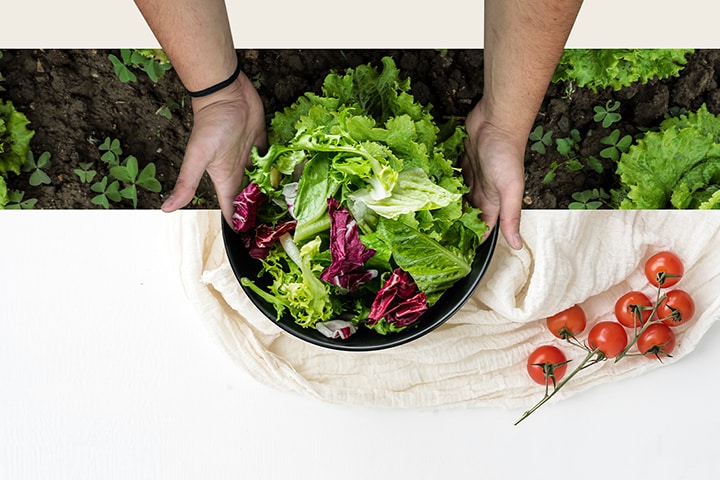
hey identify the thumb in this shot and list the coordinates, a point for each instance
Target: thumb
(510, 207)
(186, 185)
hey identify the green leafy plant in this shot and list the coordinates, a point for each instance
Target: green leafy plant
(107, 191)
(607, 114)
(124, 178)
(2, 79)
(618, 68)
(541, 140)
(617, 145)
(153, 62)
(130, 175)
(3, 193)
(589, 199)
(85, 173)
(569, 147)
(169, 107)
(112, 151)
(15, 138)
(16, 201)
(677, 166)
(37, 169)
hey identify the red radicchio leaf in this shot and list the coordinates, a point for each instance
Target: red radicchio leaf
(259, 241)
(399, 301)
(346, 250)
(246, 205)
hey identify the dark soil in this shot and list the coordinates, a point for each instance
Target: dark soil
(74, 101)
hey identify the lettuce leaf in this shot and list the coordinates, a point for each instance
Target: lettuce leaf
(434, 268)
(14, 138)
(677, 166)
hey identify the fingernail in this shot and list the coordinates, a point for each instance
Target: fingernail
(167, 204)
(516, 242)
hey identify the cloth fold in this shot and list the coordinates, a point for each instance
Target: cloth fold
(478, 357)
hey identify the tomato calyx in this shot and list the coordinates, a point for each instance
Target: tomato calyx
(549, 369)
(663, 277)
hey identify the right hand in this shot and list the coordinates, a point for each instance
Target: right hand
(226, 125)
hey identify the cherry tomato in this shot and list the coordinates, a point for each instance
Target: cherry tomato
(658, 340)
(610, 337)
(633, 309)
(568, 323)
(546, 363)
(676, 308)
(664, 269)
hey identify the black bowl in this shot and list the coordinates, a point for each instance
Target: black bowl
(364, 339)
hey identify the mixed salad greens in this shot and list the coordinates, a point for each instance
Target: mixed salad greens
(356, 210)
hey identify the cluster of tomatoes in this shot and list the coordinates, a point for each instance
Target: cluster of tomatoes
(643, 326)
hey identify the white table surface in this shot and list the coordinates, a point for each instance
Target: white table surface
(106, 373)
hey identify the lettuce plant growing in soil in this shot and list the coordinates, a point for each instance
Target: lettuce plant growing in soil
(356, 210)
(15, 139)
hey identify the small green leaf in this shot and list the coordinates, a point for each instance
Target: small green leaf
(113, 191)
(130, 193)
(44, 160)
(39, 177)
(100, 200)
(595, 164)
(147, 179)
(574, 165)
(99, 187)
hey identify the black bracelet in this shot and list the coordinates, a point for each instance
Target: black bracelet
(218, 86)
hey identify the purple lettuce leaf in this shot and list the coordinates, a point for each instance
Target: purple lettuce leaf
(347, 251)
(398, 301)
(246, 206)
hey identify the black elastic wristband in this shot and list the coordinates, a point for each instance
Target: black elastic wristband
(218, 86)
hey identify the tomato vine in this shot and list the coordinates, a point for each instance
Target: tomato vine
(642, 327)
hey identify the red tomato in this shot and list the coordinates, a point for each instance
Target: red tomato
(633, 309)
(545, 363)
(664, 269)
(658, 340)
(676, 308)
(569, 322)
(610, 337)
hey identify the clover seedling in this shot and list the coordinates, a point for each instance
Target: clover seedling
(129, 174)
(589, 199)
(124, 176)
(153, 62)
(106, 190)
(38, 175)
(122, 66)
(112, 150)
(541, 139)
(86, 175)
(607, 115)
(617, 145)
(16, 202)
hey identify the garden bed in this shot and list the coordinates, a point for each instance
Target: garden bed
(75, 101)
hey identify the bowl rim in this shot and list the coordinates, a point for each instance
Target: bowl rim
(364, 340)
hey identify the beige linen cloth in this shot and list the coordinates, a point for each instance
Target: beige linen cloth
(478, 358)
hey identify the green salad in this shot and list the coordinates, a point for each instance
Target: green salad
(357, 209)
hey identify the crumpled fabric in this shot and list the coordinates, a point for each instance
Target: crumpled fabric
(478, 358)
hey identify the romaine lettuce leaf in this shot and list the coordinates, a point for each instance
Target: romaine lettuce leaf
(434, 267)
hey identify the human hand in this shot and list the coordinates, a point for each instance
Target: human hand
(227, 124)
(493, 166)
